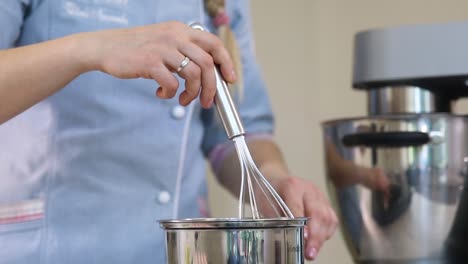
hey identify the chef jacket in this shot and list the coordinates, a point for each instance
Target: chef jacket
(86, 173)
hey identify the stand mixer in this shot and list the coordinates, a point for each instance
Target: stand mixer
(410, 141)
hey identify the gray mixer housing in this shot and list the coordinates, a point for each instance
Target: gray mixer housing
(431, 56)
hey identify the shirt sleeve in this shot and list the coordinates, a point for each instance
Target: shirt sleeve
(254, 107)
(12, 13)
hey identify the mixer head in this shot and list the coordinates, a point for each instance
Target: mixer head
(429, 57)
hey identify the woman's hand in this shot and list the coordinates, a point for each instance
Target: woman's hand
(153, 52)
(157, 51)
(304, 199)
(301, 196)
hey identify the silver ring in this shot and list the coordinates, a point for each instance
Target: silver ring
(183, 64)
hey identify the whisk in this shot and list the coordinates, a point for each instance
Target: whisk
(250, 174)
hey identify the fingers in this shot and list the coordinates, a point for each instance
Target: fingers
(192, 75)
(312, 232)
(205, 52)
(304, 199)
(220, 56)
(168, 83)
(322, 223)
(295, 202)
(315, 231)
(206, 65)
(157, 53)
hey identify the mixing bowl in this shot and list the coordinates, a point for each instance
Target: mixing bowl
(398, 185)
(234, 241)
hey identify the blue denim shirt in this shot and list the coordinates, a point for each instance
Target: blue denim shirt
(85, 174)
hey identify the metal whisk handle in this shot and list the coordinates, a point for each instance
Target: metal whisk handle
(226, 108)
(224, 103)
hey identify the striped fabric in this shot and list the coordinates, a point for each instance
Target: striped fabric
(23, 211)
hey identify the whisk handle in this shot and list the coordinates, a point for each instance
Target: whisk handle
(224, 103)
(227, 109)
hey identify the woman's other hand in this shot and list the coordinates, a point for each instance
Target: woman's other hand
(304, 199)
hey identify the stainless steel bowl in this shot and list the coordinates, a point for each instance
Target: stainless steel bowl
(234, 241)
(420, 215)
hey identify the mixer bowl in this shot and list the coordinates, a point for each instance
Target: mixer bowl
(398, 184)
(234, 241)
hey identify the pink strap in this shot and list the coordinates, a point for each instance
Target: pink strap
(222, 150)
(221, 19)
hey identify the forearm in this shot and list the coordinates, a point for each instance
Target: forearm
(31, 73)
(267, 157)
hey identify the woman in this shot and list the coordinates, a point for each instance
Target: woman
(86, 172)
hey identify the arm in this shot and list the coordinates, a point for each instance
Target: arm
(31, 73)
(267, 157)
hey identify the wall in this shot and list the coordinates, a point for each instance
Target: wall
(304, 47)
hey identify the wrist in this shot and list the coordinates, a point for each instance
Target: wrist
(274, 172)
(83, 51)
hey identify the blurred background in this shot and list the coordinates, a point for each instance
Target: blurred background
(305, 51)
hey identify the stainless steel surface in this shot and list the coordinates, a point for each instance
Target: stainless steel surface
(230, 223)
(400, 100)
(235, 241)
(227, 109)
(412, 219)
(224, 103)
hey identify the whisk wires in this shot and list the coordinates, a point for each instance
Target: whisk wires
(251, 175)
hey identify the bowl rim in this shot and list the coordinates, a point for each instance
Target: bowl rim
(391, 117)
(232, 223)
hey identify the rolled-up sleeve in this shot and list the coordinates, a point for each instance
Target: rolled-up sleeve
(254, 106)
(12, 13)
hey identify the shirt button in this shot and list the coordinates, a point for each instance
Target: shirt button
(178, 112)
(164, 197)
